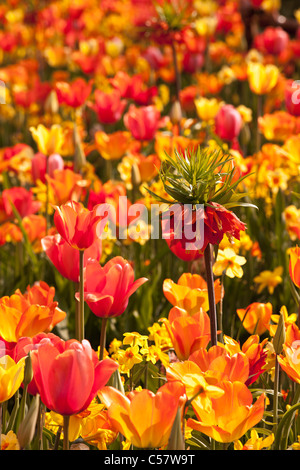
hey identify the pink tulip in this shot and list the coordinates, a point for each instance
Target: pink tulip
(142, 121)
(228, 122)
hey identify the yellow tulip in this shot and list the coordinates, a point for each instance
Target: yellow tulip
(11, 377)
(49, 141)
(262, 78)
(207, 108)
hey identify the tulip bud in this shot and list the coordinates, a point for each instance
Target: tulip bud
(52, 104)
(279, 338)
(176, 113)
(28, 373)
(116, 382)
(27, 427)
(176, 439)
(135, 176)
(79, 156)
(55, 162)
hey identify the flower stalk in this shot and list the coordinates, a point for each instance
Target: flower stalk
(80, 320)
(211, 294)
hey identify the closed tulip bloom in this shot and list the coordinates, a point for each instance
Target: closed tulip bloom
(187, 332)
(292, 97)
(11, 376)
(76, 224)
(38, 167)
(262, 78)
(231, 415)
(55, 162)
(274, 40)
(69, 376)
(144, 418)
(66, 258)
(294, 265)
(107, 289)
(228, 122)
(109, 106)
(142, 122)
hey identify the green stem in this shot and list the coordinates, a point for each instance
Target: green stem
(81, 296)
(102, 338)
(211, 294)
(77, 309)
(276, 389)
(66, 444)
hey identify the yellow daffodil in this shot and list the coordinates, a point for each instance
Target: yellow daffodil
(255, 442)
(9, 441)
(229, 263)
(269, 279)
(288, 319)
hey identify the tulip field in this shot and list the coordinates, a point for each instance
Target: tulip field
(150, 226)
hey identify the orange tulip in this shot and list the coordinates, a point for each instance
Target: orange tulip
(231, 415)
(256, 317)
(76, 224)
(144, 418)
(294, 265)
(190, 293)
(19, 317)
(290, 360)
(255, 352)
(196, 385)
(218, 364)
(112, 146)
(65, 185)
(187, 332)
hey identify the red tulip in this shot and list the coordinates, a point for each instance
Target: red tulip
(228, 122)
(292, 97)
(66, 258)
(22, 199)
(107, 289)
(109, 106)
(74, 94)
(274, 40)
(38, 167)
(68, 375)
(76, 224)
(142, 122)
